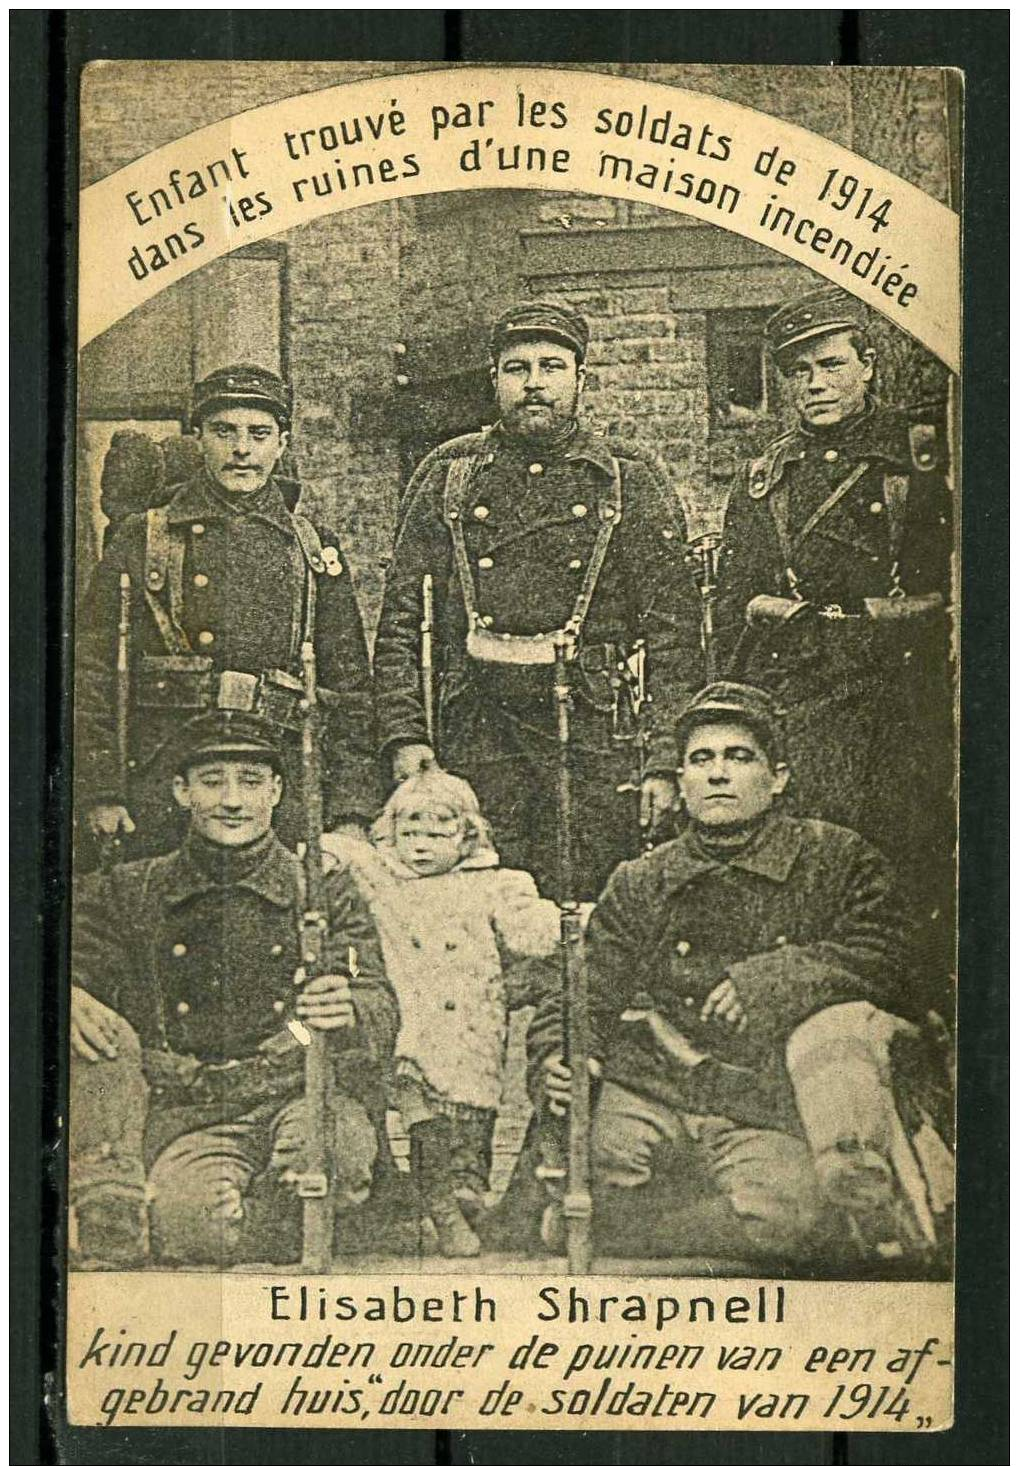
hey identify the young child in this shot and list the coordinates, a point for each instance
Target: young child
(451, 921)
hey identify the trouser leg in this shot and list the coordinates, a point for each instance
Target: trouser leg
(106, 1122)
(768, 1179)
(763, 1199)
(893, 1185)
(199, 1184)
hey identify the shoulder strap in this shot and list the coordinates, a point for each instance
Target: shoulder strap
(164, 563)
(610, 512)
(310, 542)
(308, 563)
(778, 506)
(761, 476)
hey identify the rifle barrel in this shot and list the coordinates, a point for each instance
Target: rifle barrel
(427, 671)
(576, 1038)
(313, 1186)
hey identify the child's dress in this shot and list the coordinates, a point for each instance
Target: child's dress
(447, 941)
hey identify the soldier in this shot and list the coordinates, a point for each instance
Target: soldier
(835, 588)
(752, 942)
(186, 1065)
(526, 528)
(224, 578)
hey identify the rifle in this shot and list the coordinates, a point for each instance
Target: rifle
(427, 639)
(313, 1184)
(630, 717)
(110, 849)
(576, 1202)
(703, 554)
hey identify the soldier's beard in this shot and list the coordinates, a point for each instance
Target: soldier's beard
(550, 423)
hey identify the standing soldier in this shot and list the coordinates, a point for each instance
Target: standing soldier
(528, 528)
(223, 580)
(188, 1032)
(835, 588)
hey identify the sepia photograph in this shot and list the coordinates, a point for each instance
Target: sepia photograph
(515, 682)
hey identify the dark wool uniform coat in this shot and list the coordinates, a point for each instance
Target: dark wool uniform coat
(530, 515)
(243, 581)
(197, 950)
(804, 917)
(869, 701)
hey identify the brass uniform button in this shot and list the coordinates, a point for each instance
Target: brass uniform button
(201, 581)
(830, 455)
(183, 1009)
(535, 468)
(579, 511)
(877, 507)
(485, 563)
(276, 949)
(179, 949)
(683, 948)
(205, 638)
(278, 1006)
(198, 529)
(481, 511)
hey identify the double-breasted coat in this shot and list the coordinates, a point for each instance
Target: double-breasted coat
(530, 517)
(804, 917)
(856, 522)
(197, 950)
(227, 590)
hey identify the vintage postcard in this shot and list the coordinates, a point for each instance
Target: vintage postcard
(513, 949)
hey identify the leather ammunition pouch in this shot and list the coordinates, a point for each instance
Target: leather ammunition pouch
(180, 683)
(515, 651)
(903, 608)
(774, 610)
(189, 684)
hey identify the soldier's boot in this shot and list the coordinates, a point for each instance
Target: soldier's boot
(861, 1184)
(430, 1143)
(109, 1229)
(471, 1161)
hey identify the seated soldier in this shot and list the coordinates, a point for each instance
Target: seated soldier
(186, 1111)
(747, 980)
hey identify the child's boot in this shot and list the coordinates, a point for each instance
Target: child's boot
(430, 1167)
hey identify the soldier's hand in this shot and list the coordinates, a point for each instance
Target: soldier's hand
(110, 820)
(723, 1005)
(657, 799)
(411, 759)
(325, 1002)
(93, 1027)
(558, 1080)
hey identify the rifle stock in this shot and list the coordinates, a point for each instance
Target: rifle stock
(313, 1184)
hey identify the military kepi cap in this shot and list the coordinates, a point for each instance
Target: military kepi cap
(242, 386)
(227, 734)
(737, 702)
(541, 319)
(817, 314)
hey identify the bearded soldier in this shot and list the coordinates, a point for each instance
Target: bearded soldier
(529, 528)
(224, 579)
(835, 591)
